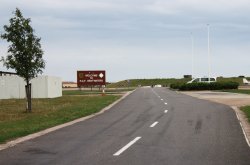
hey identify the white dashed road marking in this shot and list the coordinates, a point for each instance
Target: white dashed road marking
(127, 146)
(154, 124)
(138, 138)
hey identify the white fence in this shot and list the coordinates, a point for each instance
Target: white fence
(12, 86)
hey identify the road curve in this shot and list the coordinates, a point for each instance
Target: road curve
(151, 126)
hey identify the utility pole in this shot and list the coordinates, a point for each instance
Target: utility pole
(208, 51)
(192, 42)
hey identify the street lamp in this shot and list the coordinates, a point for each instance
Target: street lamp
(192, 42)
(208, 51)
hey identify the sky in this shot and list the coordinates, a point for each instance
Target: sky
(137, 38)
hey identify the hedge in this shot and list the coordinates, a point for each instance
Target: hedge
(206, 86)
(176, 85)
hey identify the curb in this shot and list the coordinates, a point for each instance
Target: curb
(46, 131)
(243, 123)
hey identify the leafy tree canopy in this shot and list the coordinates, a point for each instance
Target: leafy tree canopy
(24, 53)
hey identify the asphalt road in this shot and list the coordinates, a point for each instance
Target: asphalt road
(143, 130)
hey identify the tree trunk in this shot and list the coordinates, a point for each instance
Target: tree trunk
(28, 96)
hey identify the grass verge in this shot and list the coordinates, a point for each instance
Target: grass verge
(15, 122)
(96, 92)
(243, 91)
(246, 109)
(165, 81)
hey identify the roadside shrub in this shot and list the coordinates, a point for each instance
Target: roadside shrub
(230, 85)
(206, 86)
(194, 86)
(176, 85)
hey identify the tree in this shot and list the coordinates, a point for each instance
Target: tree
(24, 53)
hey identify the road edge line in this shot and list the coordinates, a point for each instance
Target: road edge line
(242, 120)
(52, 129)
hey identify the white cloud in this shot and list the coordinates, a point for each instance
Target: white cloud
(136, 38)
(157, 6)
(181, 6)
(60, 4)
(49, 22)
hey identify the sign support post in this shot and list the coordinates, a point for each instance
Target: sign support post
(103, 90)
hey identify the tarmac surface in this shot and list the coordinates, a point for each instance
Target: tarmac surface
(227, 98)
(235, 100)
(150, 126)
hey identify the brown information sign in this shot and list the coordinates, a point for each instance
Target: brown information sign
(91, 78)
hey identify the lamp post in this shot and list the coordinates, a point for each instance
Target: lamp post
(192, 42)
(208, 51)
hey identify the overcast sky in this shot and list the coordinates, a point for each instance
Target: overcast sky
(137, 38)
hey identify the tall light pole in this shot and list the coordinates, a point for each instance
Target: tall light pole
(208, 51)
(192, 42)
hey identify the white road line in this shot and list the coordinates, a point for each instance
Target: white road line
(245, 135)
(154, 124)
(237, 116)
(166, 111)
(166, 103)
(126, 146)
(155, 93)
(161, 99)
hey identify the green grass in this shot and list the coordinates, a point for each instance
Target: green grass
(14, 122)
(89, 92)
(243, 91)
(146, 82)
(165, 81)
(233, 79)
(246, 109)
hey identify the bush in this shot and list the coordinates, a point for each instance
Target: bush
(230, 85)
(194, 86)
(176, 85)
(206, 86)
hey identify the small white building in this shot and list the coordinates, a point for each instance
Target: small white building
(13, 87)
